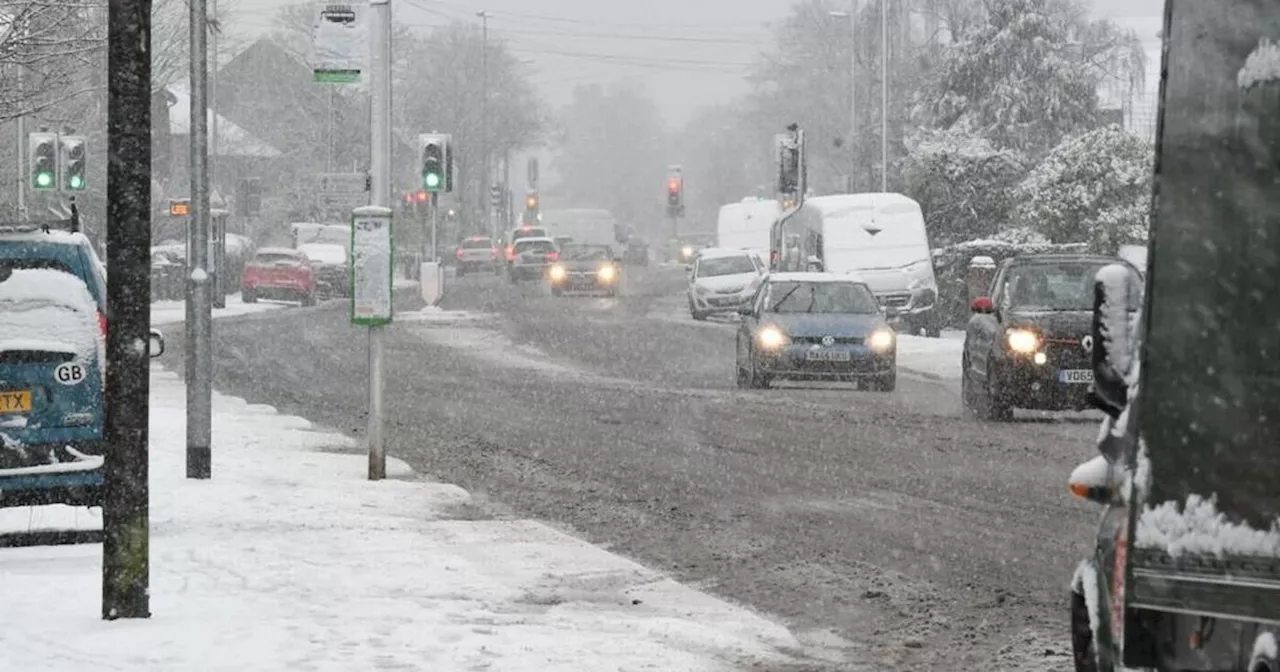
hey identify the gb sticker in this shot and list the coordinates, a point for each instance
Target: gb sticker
(70, 373)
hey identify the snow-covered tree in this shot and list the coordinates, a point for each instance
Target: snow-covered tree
(963, 182)
(1025, 77)
(1094, 188)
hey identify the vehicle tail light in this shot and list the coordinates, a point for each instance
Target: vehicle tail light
(493, 253)
(553, 256)
(102, 324)
(459, 252)
(511, 253)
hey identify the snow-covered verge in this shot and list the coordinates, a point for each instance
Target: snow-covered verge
(174, 312)
(932, 357)
(289, 559)
(1199, 528)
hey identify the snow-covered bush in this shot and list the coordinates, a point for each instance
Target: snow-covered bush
(963, 184)
(1094, 188)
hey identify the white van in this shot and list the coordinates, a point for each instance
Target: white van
(881, 238)
(745, 225)
(585, 226)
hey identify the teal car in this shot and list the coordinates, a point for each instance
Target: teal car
(52, 376)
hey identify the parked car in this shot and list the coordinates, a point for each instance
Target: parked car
(168, 275)
(532, 257)
(816, 326)
(478, 253)
(331, 266)
(1029, 344)
(52, 405)
(279, 273)
(584, 268)
(33, 246)
(723, 281)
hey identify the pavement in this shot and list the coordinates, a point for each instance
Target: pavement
(288, 559)
(886, 531)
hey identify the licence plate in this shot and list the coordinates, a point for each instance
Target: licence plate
(17, 401)
(827, 356)
(1075, 376)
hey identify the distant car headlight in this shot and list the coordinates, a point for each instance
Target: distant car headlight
(771, 338)
(880, 340)
(1022, 340)
(607, 273)
(557, 273)
(687, 251)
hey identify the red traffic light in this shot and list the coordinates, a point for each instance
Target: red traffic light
(673, 185)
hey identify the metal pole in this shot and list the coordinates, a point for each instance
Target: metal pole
(380, 173)
(213, 96)
(484, 120)
(126, 569)
(22, 139)
(435, 226)
(884, 96)
(853, 97)
(199, 323)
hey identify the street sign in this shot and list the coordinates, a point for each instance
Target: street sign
(339, 44)
(347, 190)
(372, 267)
(179, 207)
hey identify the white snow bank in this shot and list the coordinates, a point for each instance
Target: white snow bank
(932, 356)
(1262, 65)
(289, 560)
(436, 314)
(174, 312)
(1199, 528)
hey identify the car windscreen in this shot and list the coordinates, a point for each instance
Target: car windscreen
(585, 253)
(709, 268)
(275, 259)
(535, 246)
(476, 244)
(820, 297)
(1045, 287)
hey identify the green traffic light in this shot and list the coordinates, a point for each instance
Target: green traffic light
(76, 182)
(432, 180)
(44, 179)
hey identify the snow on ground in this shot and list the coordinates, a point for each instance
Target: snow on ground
(289, 559)
(933, 357)
(174, 312)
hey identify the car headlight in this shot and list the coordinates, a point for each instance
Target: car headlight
(772, 338)
(607, 273)
(701, 289)
(1022, 340)
(686, 251)
(557, 272)
(880, 340)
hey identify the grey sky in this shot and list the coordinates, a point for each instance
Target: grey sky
(687, 53)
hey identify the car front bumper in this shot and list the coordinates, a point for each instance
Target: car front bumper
(584, 282)
(793, 362)
(1022, 383)
(721, 303)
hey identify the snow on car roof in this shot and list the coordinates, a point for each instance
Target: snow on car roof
(278, 250)
(47, 309)
(814, 277)
(535, 239)
(52, 236)
(718, 252)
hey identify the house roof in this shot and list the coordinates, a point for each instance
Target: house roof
(232, 139)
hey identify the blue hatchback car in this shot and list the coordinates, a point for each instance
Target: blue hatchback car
(52, 406)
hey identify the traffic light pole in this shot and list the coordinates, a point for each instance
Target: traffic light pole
(126, 543)
(435, 225)
(199, 311)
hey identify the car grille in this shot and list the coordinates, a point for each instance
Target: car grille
(1067, 353)
(894, 300)
(842, 340)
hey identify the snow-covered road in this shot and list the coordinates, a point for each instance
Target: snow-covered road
(289, 559)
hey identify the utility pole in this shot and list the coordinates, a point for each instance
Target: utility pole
(884, 96)
(126, 542)
(199, 312)
(213, 97)
(484, 119)
(22, 136)
(380, 174)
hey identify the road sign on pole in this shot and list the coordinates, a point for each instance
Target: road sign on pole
(343, 190)
(339, 44)
(371, 266)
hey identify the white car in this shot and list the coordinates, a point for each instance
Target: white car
(722, 281)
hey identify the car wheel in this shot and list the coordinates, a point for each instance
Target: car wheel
(756, 379)
(698, 315)
(248, 296)
(994, 406)
(557, 291)
(887, 382)
(309, 299)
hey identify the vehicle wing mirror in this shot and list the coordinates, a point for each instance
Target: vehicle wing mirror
(983, 305)
(155, 344)
(746, 311)
(1112, 336)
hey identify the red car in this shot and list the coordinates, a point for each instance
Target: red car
(281, 274)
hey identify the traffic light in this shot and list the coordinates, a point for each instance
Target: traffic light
(43, 154)
(437, 162)
(531, 201)
(787, 154)
(73, 160)
(675, 191)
